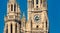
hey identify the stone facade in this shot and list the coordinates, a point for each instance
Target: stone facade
(37, 21)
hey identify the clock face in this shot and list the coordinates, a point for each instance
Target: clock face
(36, 18)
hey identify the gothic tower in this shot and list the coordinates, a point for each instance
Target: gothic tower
(37, 17)
(12, 20)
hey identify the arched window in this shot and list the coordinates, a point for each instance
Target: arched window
(33, 1)
(36, 1)
(41, 1)
(11, 7)
(46, 24)
(16, 28)
(7, 29)
(14, 7)
(11, 28)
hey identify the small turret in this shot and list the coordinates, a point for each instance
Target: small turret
(23, 23)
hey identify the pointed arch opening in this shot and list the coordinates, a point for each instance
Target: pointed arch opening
(16, 28)
(11, 7)
(14, 7)
(36, 1)
(41, 1)
(11, 28)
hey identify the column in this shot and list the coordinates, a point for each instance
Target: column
(5, 28)
(9, 27)
(13, 27)
(44, 27)
(18, 28)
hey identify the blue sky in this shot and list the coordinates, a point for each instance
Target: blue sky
(53, 13)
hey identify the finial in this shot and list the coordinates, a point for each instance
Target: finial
(23, 15)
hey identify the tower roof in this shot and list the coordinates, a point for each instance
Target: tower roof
(12, 0)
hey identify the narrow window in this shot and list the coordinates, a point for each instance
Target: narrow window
(11, 7)
(37, 6)
(41, 1)
(16, 28)
(33, 1)
(37, 26)
(46, 24)
(7, 29)
(11, 28)
(36, 1)
(14, 7)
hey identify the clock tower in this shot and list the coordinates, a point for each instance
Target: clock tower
(37, 21)
(37, 16)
